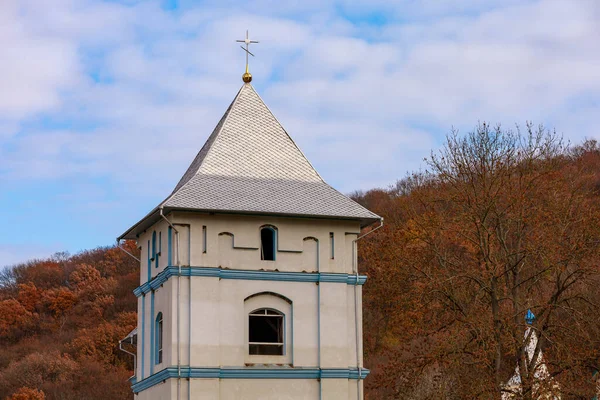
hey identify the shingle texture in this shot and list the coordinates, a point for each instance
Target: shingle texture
(250, 164)
(261, 195)
(249, 142)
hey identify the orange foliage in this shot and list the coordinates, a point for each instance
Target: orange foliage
(29, 296)
(44, 275)
(501, 225)
(58, 335)
(85, 277)
(126, 320)
(441, 317)
(26, 393)
(89, 284)
(15, 318)
(37, 369)
(59, 300)
(101, 342)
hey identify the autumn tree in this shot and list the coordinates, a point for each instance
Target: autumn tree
(29, 296)
(61, 321)
(38, 370)
(92, 290)
(501, 222)
(101, 342)
(15, 319)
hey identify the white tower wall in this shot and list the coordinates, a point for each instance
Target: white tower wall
(228, 280)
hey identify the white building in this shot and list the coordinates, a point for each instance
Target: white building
(248, 280)
(544, 386)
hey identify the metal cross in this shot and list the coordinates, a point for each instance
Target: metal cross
(247, 41)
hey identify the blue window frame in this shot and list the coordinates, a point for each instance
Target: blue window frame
(153, 245)
(158, 339)
(149, 263)
(154, 253)
(268, 243)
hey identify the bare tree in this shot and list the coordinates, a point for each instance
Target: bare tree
(501, 222)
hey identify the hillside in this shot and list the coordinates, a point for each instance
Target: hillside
(443, 313)
(61, 322)
(500, 223)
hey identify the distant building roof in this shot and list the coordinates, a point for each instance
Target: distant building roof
(131, 337)
(250, 165)
(512, 389)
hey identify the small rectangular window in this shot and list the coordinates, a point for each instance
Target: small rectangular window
(159, 243)
(332, 245)
(268, 244)
(204, 239)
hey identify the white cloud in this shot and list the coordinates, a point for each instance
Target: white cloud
(34, 69)
(136, 90)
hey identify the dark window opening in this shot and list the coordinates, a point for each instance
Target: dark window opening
(153, 246)
(267, 244)
(265, 332)
(154, 253)
(332, 245)
(159, 243)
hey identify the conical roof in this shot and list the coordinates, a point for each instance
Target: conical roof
(250, 165)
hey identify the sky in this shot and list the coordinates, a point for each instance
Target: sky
(103, 104)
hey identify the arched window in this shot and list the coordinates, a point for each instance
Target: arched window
(266, 332)
(268, 243)
(158, 351)
(268, 328)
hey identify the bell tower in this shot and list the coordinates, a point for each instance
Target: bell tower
(248, 281)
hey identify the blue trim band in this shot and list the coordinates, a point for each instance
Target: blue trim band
(170, 271)
(249, 373)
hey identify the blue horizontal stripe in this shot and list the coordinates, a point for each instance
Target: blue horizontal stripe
(170, 271)
(249, 373)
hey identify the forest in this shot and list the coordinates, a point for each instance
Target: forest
(498, 222)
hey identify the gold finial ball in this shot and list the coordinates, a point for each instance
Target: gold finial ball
(247, 77)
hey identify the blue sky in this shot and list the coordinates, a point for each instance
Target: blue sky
(103, 104)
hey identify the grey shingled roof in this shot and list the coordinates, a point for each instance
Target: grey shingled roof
(249, 164)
